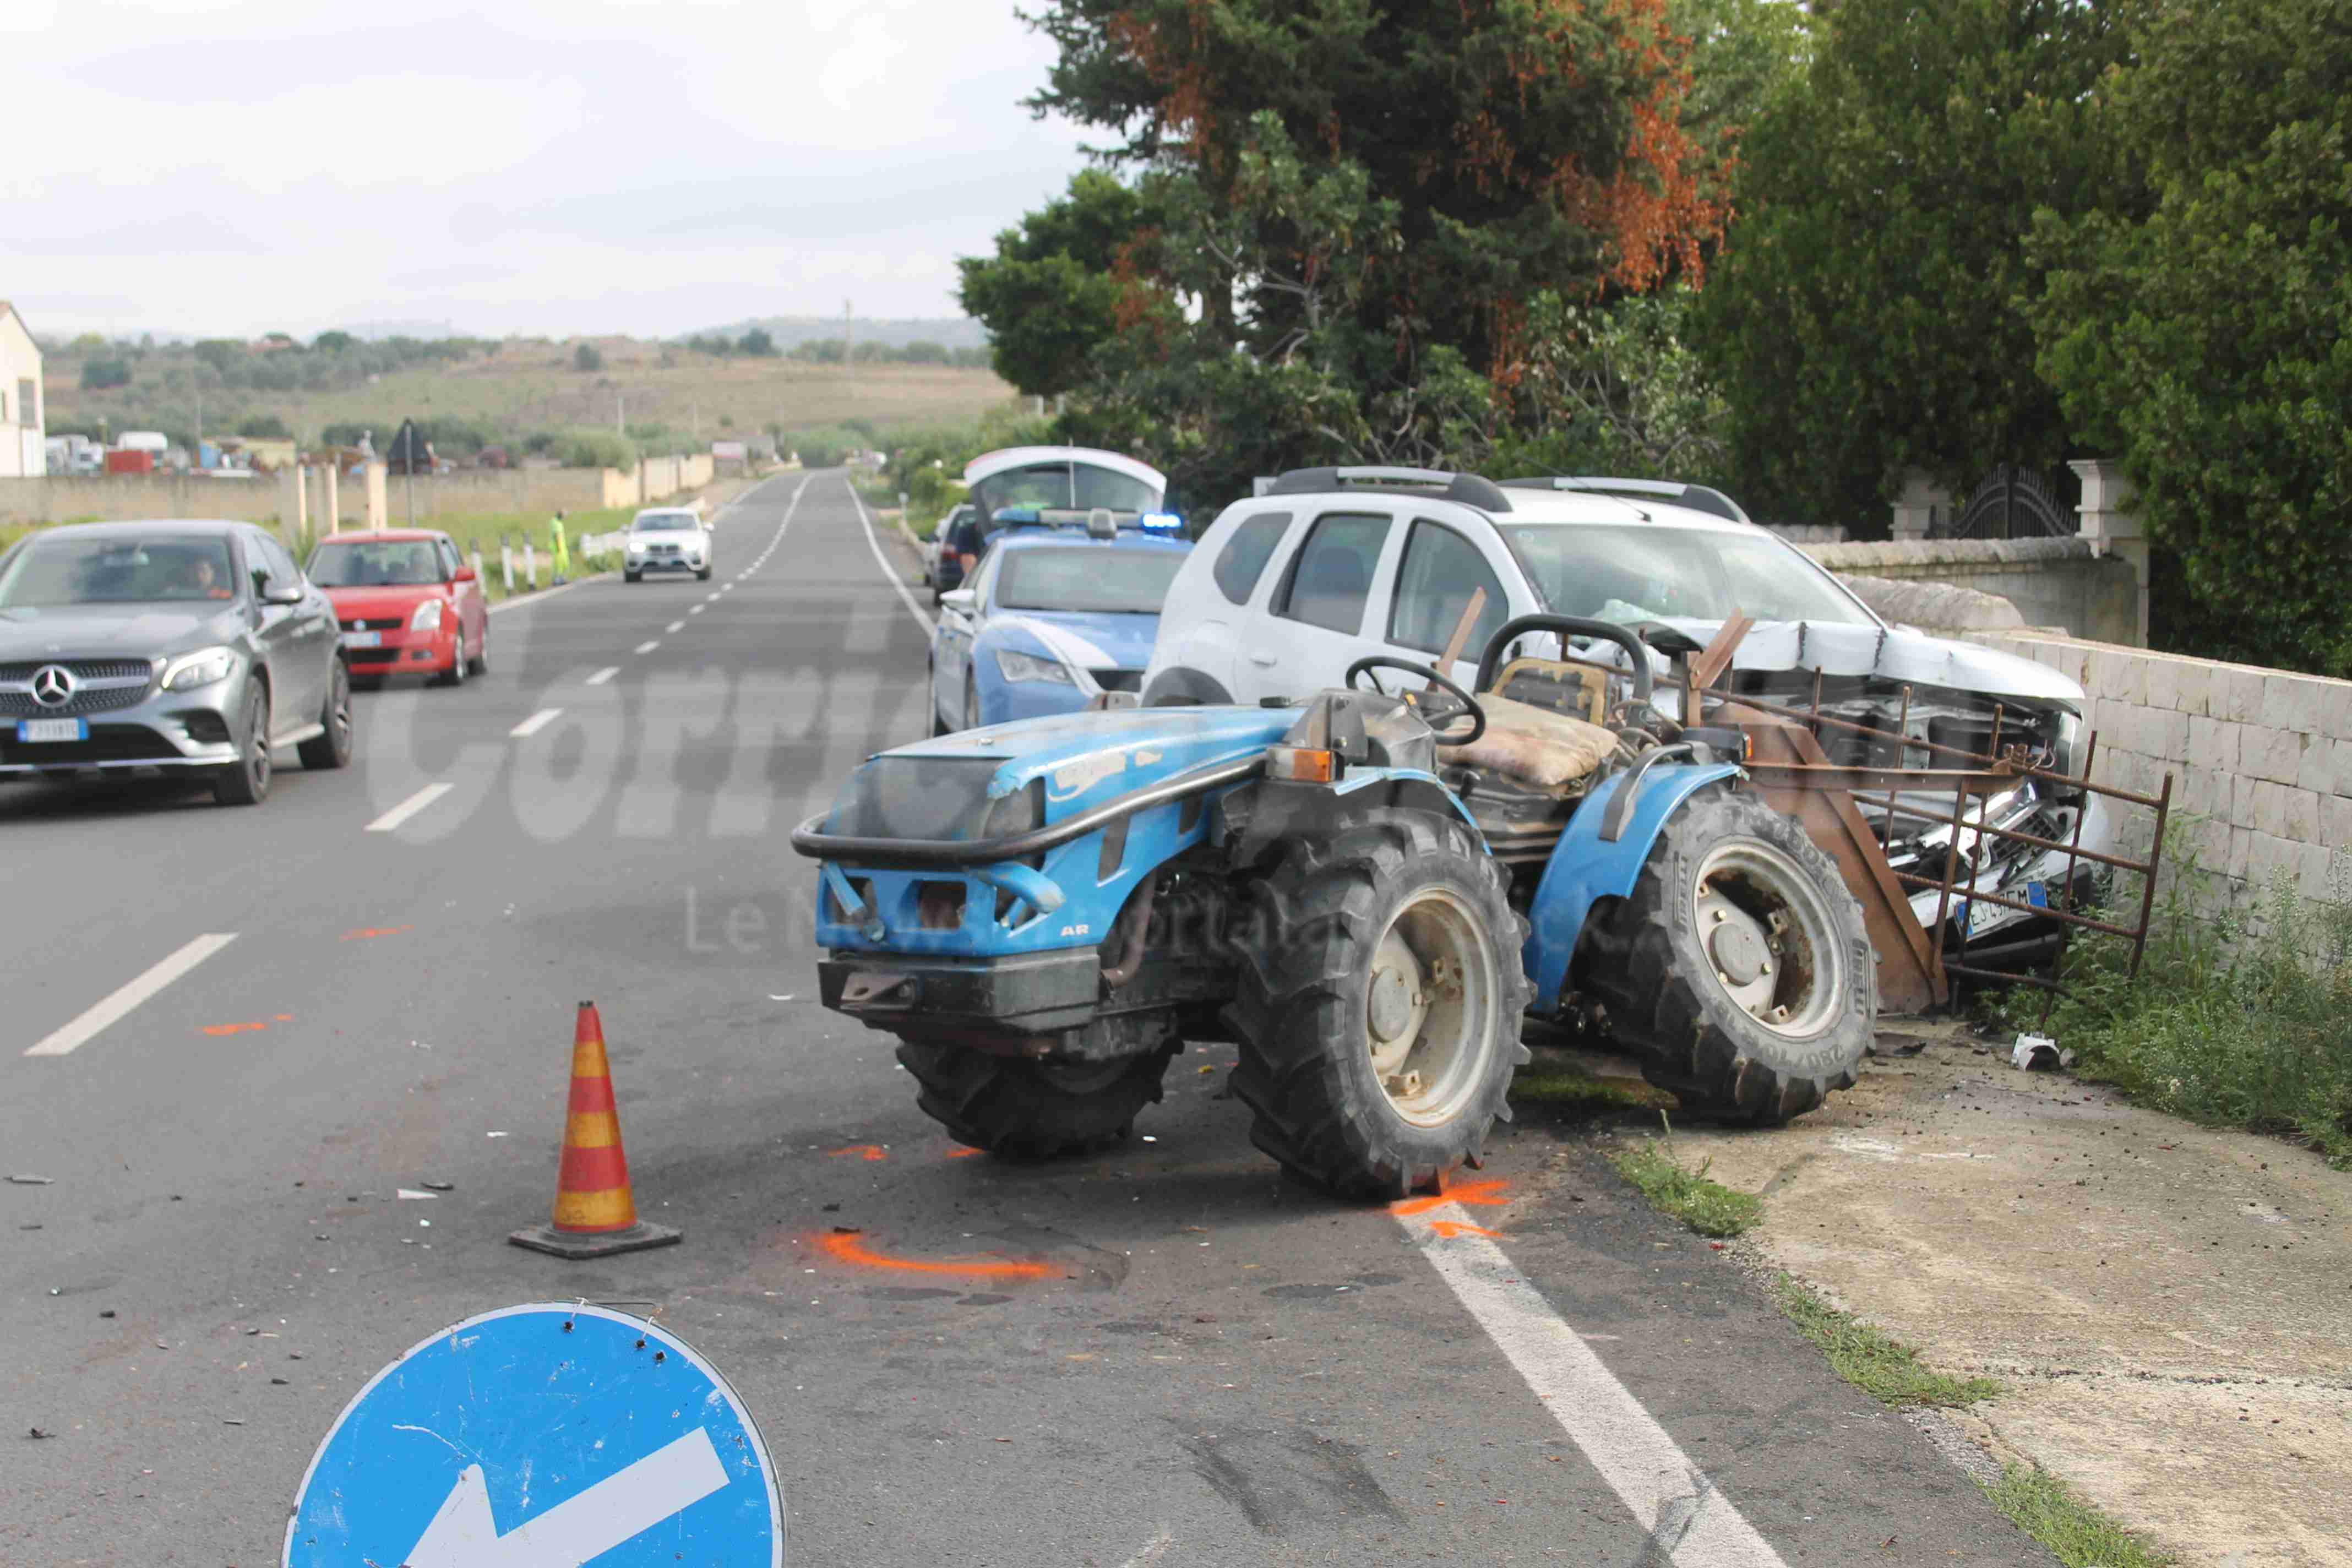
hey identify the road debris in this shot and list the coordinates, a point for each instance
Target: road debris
(37, 1435)
(438, 1187)
(2040, 1052)
(412, 1193)
(28, 1180)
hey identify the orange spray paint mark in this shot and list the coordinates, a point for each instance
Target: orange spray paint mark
(961, 1152)
(281, 1017)
(365, 931)
(1449, 1228)
(860, 1150)
(853, 1250)
(233, 1028)
(1485, 1194)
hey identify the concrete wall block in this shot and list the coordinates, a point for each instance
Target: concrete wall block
(2326, 873)
(2336, 709)
(2240, 691)
(2270, 859)
(2293, 703)
(2241, 842)
(2119, 674)
(2163, 681)
(2212, 744)
(2169, 729)
(2271, 754)
(2192, 683)
(2341, 767)
(2336, 822)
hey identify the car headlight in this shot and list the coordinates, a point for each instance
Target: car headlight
(201, 667)
(1028, 667)
(636, 547)
(428, 617)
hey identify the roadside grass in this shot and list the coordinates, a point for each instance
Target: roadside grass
(2078, 1534)
(2237, 1018)
(1558, 1083)
(1879, 1364)
(1706, 1206)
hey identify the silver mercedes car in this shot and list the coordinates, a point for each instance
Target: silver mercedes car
(177, 645)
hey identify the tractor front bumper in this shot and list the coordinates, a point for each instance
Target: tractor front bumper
(1029, 994)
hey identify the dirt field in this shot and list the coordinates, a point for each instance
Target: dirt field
(531, 386)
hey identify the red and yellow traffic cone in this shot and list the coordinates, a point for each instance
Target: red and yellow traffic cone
(595, 1214)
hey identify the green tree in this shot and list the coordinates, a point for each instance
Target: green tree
(1049, 297)
(1866, 315)
(97, 374)
(263, 426)
(219, 352)
(2199, 326)
(758, 343)
(334, 342)
(586, 358)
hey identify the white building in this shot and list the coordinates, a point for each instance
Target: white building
(21, 414)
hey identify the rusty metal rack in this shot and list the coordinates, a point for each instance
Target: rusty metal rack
(1983, 775)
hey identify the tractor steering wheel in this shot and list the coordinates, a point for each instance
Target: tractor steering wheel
(1468, 705)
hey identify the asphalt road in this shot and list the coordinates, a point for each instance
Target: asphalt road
(1212, 1366)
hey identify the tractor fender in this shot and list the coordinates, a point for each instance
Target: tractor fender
(1585, 868)
(1257, 818)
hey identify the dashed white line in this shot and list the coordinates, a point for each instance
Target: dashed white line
(883, 561)
(535, 723)
(409, 807)
(677, 626)
(697, 609)
(1689, 1522)
(82, 1030)
(604, 675)
(648, 646)
(711, 598)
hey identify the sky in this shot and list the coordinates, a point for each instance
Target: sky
(232, 167)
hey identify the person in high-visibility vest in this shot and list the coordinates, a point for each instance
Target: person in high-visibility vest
(557, 548)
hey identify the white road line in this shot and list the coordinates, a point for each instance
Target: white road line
(711, 598)
(727, 587)
(409, 807)
(86, 1027)
(604, 675)
(678, 626)
(883, 561)
(646, 647)
(525, 601)
(697, 609)
(1689, 1522)
(535, 723)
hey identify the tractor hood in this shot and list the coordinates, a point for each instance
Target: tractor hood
(1007, 778)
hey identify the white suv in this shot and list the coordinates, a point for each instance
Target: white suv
(666, 538)
(1287, 588)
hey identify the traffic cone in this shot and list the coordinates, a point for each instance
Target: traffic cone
(595, 1215)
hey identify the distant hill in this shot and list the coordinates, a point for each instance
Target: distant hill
(949, 332)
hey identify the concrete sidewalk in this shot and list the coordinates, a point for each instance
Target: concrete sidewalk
(2170, 1308)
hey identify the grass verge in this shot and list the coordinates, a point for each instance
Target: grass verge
(1879, 1364)
(2244, 1029)
(1559, 1085)
(1706, 1206)
(2078, 1534)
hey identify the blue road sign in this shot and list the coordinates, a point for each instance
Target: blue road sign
(549, 1436)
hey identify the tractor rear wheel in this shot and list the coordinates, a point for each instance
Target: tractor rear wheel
(1737, 971)
(1378, 1008)
(1032, 1110)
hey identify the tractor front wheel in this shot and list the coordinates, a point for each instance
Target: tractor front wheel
(1737, 971)
(1032, 1110)
(1378, 1007)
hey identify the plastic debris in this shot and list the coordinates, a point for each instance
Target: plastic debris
(2041, 1052)
(412, 1193)
(35, 1434)
(28, 1180)
(438, 1187)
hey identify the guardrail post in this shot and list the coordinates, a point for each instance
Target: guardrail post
(530, 565)
(506, 562)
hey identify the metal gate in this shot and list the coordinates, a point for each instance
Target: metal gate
(2014, 502)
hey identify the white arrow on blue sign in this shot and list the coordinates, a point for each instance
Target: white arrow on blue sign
(551, 1436)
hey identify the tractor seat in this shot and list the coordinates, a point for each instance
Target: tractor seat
(1538, 749)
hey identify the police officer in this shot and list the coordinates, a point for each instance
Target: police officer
(558, 548)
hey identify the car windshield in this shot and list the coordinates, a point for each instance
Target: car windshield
(118, 569)
(1118, 582)
(1646, 574)
(662, 522)
(378, 563)
(1081, 485)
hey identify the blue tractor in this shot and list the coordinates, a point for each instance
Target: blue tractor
(1365, 892)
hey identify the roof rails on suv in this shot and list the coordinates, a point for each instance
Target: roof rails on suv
(1468, 488)
(1698, 498)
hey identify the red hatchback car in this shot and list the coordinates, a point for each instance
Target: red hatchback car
(408, 603)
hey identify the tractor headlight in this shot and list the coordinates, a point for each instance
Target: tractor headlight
(201, 667)
(428, 617)
(1028, 667)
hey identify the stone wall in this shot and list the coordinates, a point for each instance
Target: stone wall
(2261, 760)
(2058, 582)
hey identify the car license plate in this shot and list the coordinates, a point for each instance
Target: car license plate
(1984, 916)
(363, 639)
(31, 730)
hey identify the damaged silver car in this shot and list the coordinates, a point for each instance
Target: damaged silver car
(1287, 588)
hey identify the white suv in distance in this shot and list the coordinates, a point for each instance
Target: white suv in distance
(666, 538)
(1287, 589)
